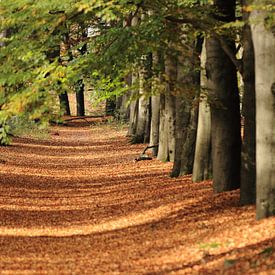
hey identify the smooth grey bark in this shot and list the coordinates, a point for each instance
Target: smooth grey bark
(142, 113)
(225, 106)
(248, 157)
(167, 127)
(163, 132)
(155, 120)
(264, 46)
(202, 162)
(155, 103)
(134, 103)
(143, 106)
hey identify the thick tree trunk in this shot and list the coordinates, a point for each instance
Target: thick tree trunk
(64, 104)
(264, 46)
(225, 118)
(202, 162)
(248, 167)
(186, 112)
(225, 107)
(80, 105)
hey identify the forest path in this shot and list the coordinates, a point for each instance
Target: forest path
(77, 203)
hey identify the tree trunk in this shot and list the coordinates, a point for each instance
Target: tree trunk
(264, 46)
(110, 106)
(133, 108)
(142, 110)
(186, 111)
(80, 105)
(248, 167)
(225, 108)
(167, 134)
(64, 104)
(188, 150)
(154, 131)
(158, 68)
(202, 162)
(122, 102)
(163, 131)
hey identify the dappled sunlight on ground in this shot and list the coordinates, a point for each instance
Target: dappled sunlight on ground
(79, 204)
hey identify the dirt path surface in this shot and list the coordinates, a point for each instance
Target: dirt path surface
(78, 204)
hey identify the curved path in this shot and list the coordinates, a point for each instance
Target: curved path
(77, 203)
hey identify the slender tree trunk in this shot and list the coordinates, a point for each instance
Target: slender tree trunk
(133, 108)
(163, 132)
(64, 104)
(264, 46)
(188, 150)
(202, 162)
(167, 134)
(122, 102)
(148, 121)
(110, 107)
(225, 108)
(182, 110)
(248, 168)
(142, 111)
(80, 105)
(154, 131)
(158, 68)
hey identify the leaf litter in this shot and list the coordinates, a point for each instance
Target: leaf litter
(77, 203)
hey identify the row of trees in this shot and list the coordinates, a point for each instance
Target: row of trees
(174, 70)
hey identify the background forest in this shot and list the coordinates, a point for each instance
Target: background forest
(194, 79)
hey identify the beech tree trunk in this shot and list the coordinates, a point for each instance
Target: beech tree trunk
(182, 112)
(248, 160)
(225, 108)
(202, 162)
(64, 104)
(133, 109)
(167, 112)
(80, 105)
(264, 46)
(163, 132)
(188, 81)
(188, 151)
(143, 108)
(154, 131)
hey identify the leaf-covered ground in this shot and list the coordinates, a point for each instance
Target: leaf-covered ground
(77, 203)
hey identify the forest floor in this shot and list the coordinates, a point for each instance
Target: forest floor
(77, 203)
